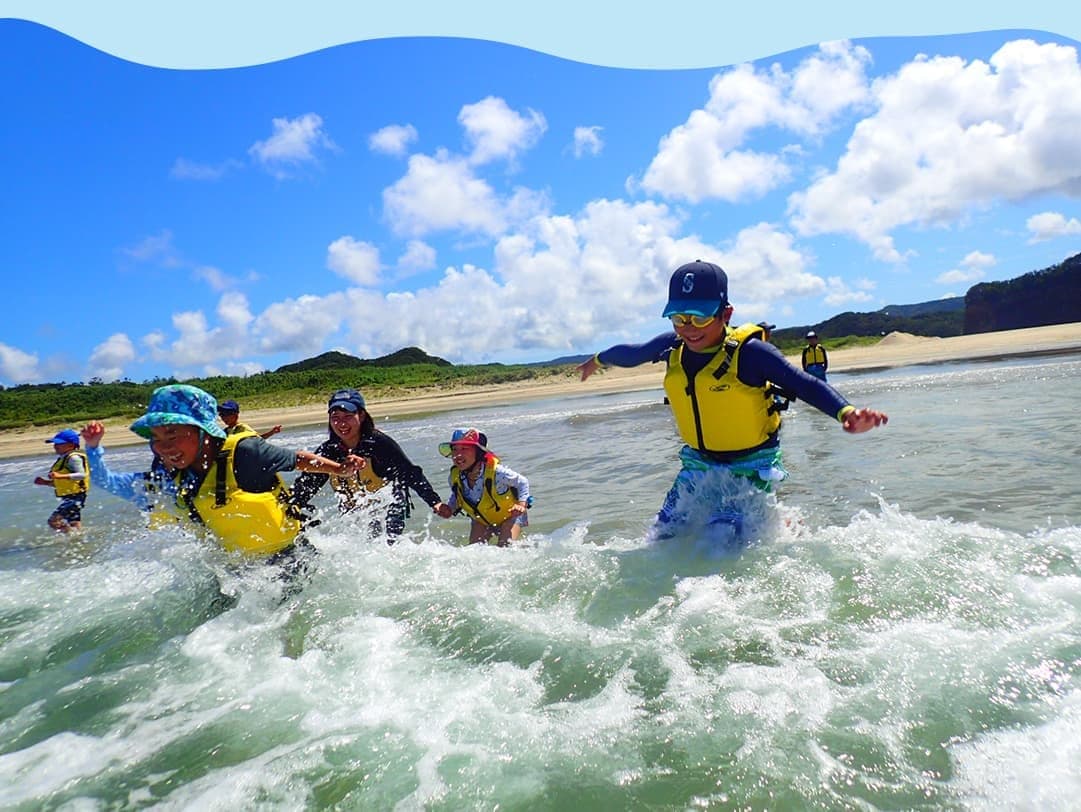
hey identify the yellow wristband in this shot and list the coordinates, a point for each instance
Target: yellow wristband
(841, 415)
(597, 360)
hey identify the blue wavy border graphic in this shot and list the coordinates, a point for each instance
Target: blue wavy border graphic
(628, 34)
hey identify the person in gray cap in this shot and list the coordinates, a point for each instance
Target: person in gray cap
(719, 385)
(815, 360)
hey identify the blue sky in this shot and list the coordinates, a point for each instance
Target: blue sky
(490, 202)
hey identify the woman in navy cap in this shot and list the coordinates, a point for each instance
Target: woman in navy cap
(352, 432)
(719, 384)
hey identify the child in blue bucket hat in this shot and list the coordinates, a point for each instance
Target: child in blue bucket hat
(202, 478)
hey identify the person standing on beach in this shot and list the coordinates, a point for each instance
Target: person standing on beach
(203, 479)
(488, 492)
(718, 384)
(815, 360)
(381, 462)
(70, 479)
(229, 412)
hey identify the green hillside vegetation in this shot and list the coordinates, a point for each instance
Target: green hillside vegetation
(1050, 296)
(862, 329)
(306, 382)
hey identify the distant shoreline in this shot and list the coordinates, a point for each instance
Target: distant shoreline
(895, 350)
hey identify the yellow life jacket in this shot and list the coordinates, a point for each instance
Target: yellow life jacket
(363, 480)
(239, 428)
(258, 524)
(65, 486)
(715, 411)
(814, 355)
(493, 508)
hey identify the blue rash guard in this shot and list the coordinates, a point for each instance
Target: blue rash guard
(759, 362)
(703, 490)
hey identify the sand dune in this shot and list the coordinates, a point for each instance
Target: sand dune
(895, 349)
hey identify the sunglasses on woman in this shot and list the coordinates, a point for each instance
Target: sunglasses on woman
(686, 319)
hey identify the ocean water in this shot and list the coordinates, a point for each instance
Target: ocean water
(904, 632)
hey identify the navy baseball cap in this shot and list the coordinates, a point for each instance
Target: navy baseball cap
(698, 288)
(65, 436)
(348, 399)
(228, 406)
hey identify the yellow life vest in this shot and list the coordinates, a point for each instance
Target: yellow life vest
(363, 480)
(65, 486)
(493, 508)
(239, 428)
(814, 355)
(715, 411)
(258, 524)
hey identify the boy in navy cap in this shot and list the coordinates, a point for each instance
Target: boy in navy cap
(720, 386)
(229, 412)
(69, 477)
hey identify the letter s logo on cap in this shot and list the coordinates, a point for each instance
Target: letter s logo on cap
(688, 282)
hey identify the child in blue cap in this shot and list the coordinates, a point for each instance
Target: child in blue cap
(70, 479)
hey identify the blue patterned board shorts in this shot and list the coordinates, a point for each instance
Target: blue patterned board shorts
(70, 508)
(723, 499)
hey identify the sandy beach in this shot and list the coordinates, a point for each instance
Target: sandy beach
(894, 350)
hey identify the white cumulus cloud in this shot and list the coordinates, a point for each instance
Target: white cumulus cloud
(418, 256)
(17, 366)
(496, 132)
(587, 141)
(972, 269)
(706, 157)
(354, 260)
(294, 142)
(1049, 225)
(109, 358)
(948, 138)
(441, 193)
(393, 139)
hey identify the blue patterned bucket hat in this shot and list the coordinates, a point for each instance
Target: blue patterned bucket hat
(180, 404)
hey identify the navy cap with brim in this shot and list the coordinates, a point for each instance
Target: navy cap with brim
(697, 288)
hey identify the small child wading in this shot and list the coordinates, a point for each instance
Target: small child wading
(493, 496)
(70, 478)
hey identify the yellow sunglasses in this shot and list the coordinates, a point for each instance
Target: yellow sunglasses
(686, 319)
